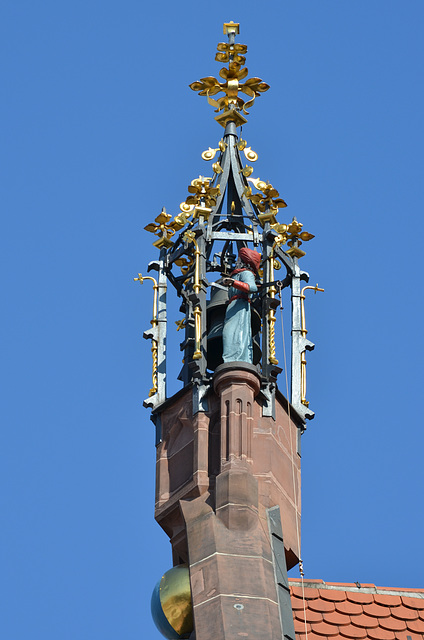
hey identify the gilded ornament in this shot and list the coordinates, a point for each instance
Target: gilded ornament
(283, 236)
(306, 236)
(217, 167)
(225, 50)
(231, 27)
(181, 324)
(292, 234)
(268, 216)
(209, 154)
(202, 192)
(190, 237)
(172, 603)
(182, 218)
(154, 323)
(163, 229)
(247, 171)
(267, 203)
(271, 315)
(252, 156)
(201, 210)
(231, 103)
(184, 264)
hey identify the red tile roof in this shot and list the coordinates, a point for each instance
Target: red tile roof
(346, 611)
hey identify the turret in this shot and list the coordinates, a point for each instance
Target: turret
(228, 443)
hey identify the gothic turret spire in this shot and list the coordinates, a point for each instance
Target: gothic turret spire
(228, 469)
(222, 213)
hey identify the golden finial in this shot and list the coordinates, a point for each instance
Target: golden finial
(231, 27)
(268, 202)
(292, 234)
(231, 104)
(163, 229)
(203, 195)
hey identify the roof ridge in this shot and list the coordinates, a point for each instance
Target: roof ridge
(351, 587)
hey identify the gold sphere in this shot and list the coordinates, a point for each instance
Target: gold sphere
(174, 602)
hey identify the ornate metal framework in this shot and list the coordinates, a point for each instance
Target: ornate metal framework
(221, 214)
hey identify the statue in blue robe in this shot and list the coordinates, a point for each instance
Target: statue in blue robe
(237, 332)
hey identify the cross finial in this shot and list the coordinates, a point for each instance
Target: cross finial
(231, 104)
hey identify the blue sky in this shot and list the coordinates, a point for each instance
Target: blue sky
(100, 131)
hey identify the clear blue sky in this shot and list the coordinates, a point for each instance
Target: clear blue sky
(100, 130)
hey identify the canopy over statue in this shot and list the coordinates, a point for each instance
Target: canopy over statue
(229, 214)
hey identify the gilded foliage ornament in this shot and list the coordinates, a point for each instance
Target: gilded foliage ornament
(202, 192)
(231, 103)
(163, 229)
(210, 153)
(292, 234)
(182, 218)
(267, 202)
(250, 155)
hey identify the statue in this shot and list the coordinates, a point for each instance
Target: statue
(237, 332)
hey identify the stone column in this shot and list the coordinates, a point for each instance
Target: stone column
(236, 493)
(230, 557)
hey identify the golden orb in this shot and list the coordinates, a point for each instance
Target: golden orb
(172, 608)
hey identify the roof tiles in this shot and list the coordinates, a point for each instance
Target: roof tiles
(356, 613)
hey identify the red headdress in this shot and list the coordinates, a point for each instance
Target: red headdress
(250, 257)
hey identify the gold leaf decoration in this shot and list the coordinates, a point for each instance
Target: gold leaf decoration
(231, 53)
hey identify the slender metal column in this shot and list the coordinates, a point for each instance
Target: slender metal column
(158, 332)
(299, 344)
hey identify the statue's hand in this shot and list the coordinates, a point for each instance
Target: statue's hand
(228, 282)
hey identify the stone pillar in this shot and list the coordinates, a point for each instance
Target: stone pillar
(236, 492)
(218, 473)
(230, 556)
